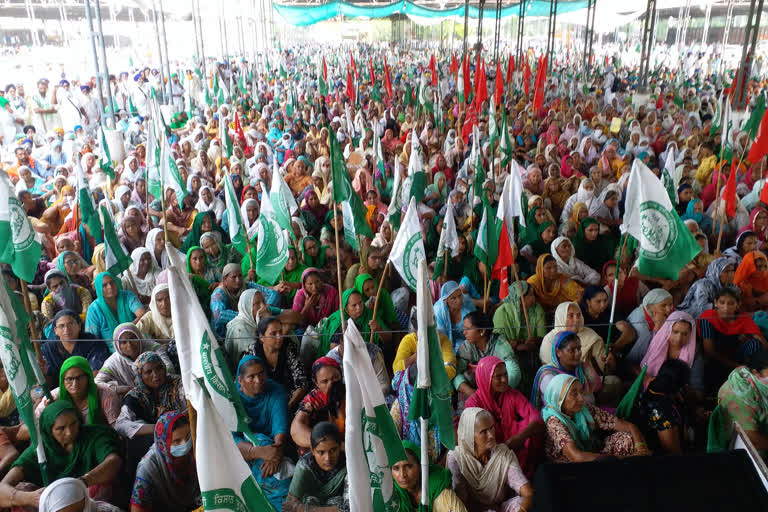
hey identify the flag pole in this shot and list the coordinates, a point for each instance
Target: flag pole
(613, 299)
(32, 325)
(720, 231)
(522, 299)
(338, 264)
(378, 294)
(486, 289)
(424, 424)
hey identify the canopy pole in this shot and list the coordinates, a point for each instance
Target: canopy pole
(466, 24)
(649, 26)
(747, 54)
(589, 35)
(92, 35)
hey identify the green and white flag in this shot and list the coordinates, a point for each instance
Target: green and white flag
(271, 248)
(431, 399)
(665, 243)
(21, 368)
(476, 158)
(371, 443)
(505, 146)
(169, 172)
(225, 479)
(352, 207)
(394, 209)
(19, 247)
(237, 231)
(449, 239)
(417, 177)
(487, 245)
(493, 130)
(226, 140)
(155, 132)
(291, 106)
(408, 247)
(115, 256)
(460, 84)
(88, 213)
(425, 99)
(282, 199)
(105, 161)
(378, 152)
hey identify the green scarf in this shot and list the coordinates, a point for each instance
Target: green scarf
(193, 237)
(331, 325)
(752, 392)
(594, 253)
(317, 261)
(200, 284)
(439, 480)
(386, 309)
(92, 445)
(95, 415)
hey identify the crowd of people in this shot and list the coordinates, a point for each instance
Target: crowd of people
(543, 373)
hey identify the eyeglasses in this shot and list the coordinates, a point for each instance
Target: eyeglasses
(73, 380)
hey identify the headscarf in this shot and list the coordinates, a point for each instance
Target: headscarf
(144, 285)
(150, 245)
(702, 292)
(581, 424)
(66, 297)
(95, 414)
(164, 324)
(555, 367)
(659, 347)
(333, 324)
(118, 364)
(91, 446)
(162, 447)
(747, 273)
(245, 309)
(386, 306)
(310, 261)
(260, 407)
(63, 493)
(170, 396)
(193, 238)
(124, 313)
(443, 314)
(439, 479)
(598, 207)
(250, 228)
(487, 482)
(762, 235)
(594, 253)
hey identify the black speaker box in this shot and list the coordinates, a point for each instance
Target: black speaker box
(698, 483)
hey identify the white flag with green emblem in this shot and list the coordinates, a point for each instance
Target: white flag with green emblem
(493, 129)
(282, 199)
(225, 479)
(169, 171)
(665, 243)
(408, 247)
(154, 180)
(460, 84)
(395, 204)
(237, 231)
(18, 246)
(505, 146)
(378, 153)
(371, 443)
(271, 248)
(21, 368)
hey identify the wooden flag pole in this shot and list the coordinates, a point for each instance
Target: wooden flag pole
(378, 294)
(613, 300)
(720, 231)
(32, 326)
(338, 267)
(486, 289)
(445, 263)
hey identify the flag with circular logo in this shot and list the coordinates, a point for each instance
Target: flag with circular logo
(20, 248)
(408, 248)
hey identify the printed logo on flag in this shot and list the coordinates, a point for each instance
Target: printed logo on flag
(209, 368)
(414, 252)
(24, 235)
(659, 230)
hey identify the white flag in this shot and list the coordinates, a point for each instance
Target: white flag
(282, 199)
(449, 239)
(371, 443)
(408, 247)
(510, 201)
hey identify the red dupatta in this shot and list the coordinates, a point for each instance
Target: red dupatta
(742, 324)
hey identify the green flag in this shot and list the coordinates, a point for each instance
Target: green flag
(487, 244)
(19, 247)
(87, 205)
(753, 123)
(376, 91)
(408, 247)
(282, 199)
(352, 208)
(477, 156)
(666, 245)
(215, 82)
(115, 255)
(272, 247)
(105, 161)
(234, 216)
(505, 145)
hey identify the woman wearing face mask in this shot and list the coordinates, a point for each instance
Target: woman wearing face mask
(485, 471)
(87, 452)
(166, 478)
(55, 215)
(580, 432)
(321, 475)
(63, 295)
(728, 338)
(266, 404)
(325, 402)
(119, 370)
(743, 398)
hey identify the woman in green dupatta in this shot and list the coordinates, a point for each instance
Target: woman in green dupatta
(463, 265)
(218, 253)
(368, 287)
(407, 479)
(590, 246)
(355, 310)
(320, 475)
(88, 452)
(289, 279)
(205, 222)
(312, 252)
(202, 276)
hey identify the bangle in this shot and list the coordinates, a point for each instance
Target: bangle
(84, 480)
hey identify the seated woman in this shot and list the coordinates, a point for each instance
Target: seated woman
(155, 393)
(406, 350)
(728, 338)
(266, 405)
(646, 320)
(450, 311)
(70, 341)
(566, 358)
(287, 282)
(486, 474)
(204, 277)
(746, 242)
(320, 477)
(355, 310)
(76, 268)
(87, 452)
(218, 253)
(744, 399)
(119, 370)
(580, 432)
(369, 288)
(315, 300)
(550, 286)
(281, 358)
(97, 403)
(539, 242)
(675, 340)
(481, 342)
(660, 412)
(631, 291)
(112, 306)
(752, 278)
(517, 423)
(323, 403)
(701, 295)
(242, 330)
(143, 276)
(71, 495)
(63, 295)
(595, 309)
(157, 324)
(570, 265)
(592, 247)
(166, 478)
(225, 297)
(407, 479)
